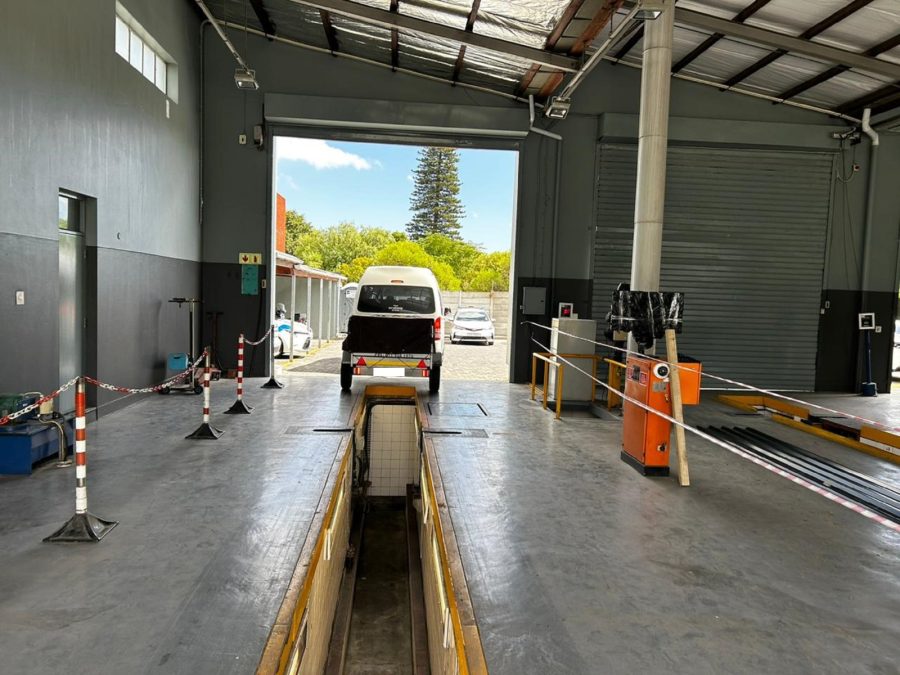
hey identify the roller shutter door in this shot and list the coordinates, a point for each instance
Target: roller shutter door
(744, 239)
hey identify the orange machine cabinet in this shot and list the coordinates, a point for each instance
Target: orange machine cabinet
(645, 436)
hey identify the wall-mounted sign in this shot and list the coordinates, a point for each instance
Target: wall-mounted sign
(250, 258)
(249, 280)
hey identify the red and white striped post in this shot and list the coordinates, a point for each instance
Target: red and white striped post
(83, 526)
(239, 407)
(272, 382)
(206, 430)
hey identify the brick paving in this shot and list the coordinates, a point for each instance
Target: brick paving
(461, 362)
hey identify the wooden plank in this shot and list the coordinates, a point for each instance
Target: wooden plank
(684, 478)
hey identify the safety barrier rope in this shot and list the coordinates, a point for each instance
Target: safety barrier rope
(743, 385)
(103, 385)
(37, 404)
(262, 339)
(149, 390)
(731, 448)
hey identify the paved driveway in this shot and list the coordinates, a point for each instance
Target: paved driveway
(461, 362)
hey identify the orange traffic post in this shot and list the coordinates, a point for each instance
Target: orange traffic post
(83, 526)
(239, 407)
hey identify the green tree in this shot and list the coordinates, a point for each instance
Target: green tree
(460, 255)
(411, 254)
(296, 228)
(435, 199)
(489, 273)
(354, 269)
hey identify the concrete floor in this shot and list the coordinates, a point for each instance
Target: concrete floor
(209, 534)
(380, 641)
(575, 563)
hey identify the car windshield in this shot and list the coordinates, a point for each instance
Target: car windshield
(472, 315)
(396, 299)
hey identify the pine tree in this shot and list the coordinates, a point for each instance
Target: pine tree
(435, 199)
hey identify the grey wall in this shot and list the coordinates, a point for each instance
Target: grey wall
(75, 115)
(553, 249)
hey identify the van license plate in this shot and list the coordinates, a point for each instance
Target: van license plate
(388, 372)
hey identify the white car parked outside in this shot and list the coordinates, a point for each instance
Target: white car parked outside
(472, 324)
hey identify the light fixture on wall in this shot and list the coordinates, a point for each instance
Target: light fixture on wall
(651, 9)
(558, 109)
(245, 79)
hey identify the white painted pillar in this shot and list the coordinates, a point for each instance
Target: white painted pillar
(293, 311)
(653, 136)
(321, 307)
(309, 304)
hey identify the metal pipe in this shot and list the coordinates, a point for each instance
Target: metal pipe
(61, 460)
(557, 185)
(870, 205)
(218, 27)
(721, 86)
(653, 136)
(372, 62)
(598, 55)
(534, 129)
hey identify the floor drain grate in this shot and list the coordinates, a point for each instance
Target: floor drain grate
(300, 430)
(457, 410)
(461, 433)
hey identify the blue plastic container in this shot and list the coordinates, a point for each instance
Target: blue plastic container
(178, 362)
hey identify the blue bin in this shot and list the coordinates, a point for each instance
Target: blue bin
(178, 362)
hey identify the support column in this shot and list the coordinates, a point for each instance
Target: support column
(293, 313)
(309, 304)
(321, 307)
(650, 195)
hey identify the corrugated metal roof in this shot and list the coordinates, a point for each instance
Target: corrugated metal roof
(745, 64)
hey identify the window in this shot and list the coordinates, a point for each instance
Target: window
(122, 35)
(396, 299)
(71, 209)
(138, 47)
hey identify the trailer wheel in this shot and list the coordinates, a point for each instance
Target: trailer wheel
(346, 376)
(434, 379)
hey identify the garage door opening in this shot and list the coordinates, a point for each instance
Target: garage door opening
(349, 205)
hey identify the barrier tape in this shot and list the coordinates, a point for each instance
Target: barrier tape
(733, 449)
(261, 340)
(750, 387)
(103, 385)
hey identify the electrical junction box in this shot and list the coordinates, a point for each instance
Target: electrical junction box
(867, 321)
(534, 300)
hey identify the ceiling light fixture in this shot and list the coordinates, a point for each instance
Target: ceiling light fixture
(245, 79)
(558, 108)
(651, 9)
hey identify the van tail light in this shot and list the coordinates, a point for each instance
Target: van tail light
(437, 329)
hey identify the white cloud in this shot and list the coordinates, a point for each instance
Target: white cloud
(289, 181)
(319, 154)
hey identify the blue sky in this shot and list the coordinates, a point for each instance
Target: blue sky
(370, 184)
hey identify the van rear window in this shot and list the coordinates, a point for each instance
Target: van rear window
(396, 299)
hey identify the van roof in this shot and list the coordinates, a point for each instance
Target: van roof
(414, 276)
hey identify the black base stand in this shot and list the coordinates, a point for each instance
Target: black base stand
(645, 470)
(205, 431)
(273, 384)
(239, 408)
(83, 527)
